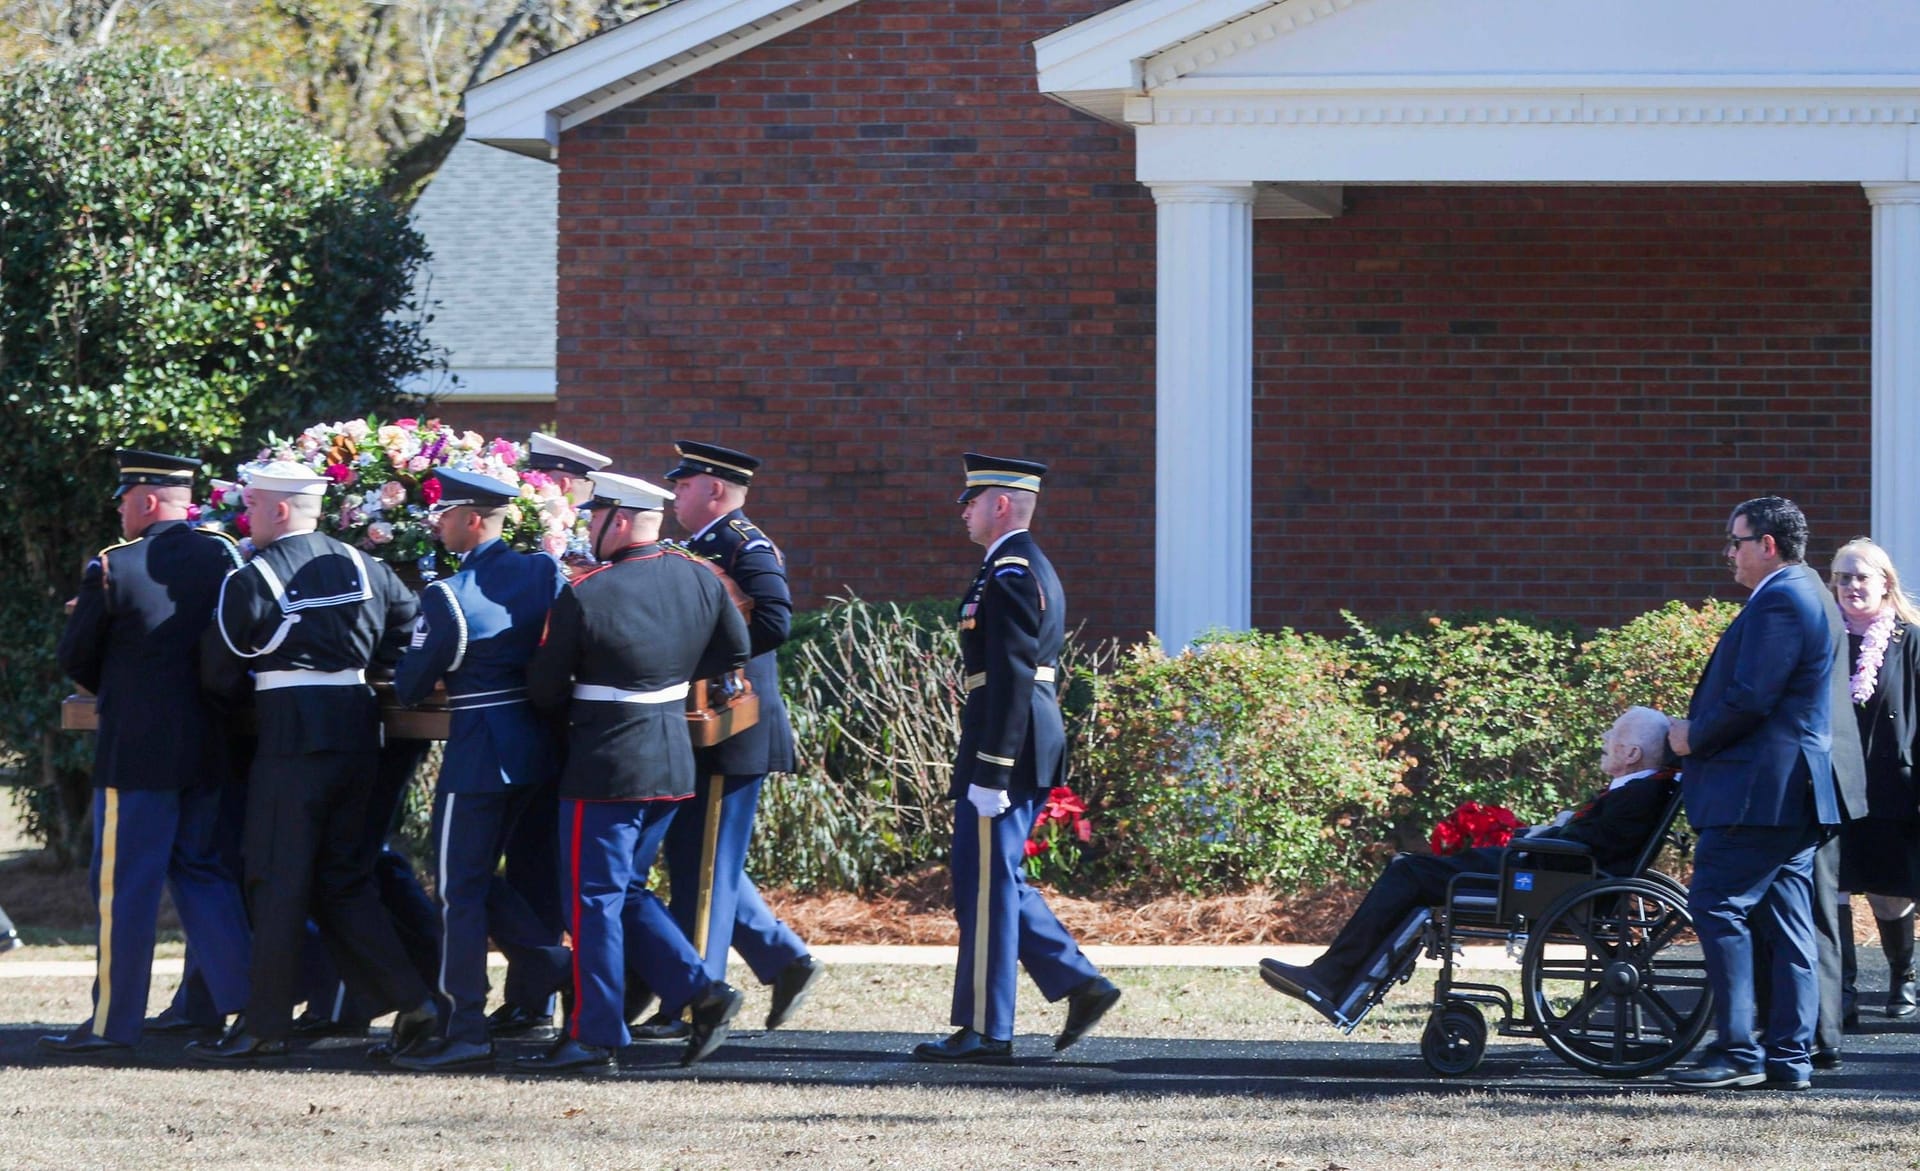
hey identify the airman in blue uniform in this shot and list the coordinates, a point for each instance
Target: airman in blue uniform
(1013, 749)
(133, 640)
(476, 630)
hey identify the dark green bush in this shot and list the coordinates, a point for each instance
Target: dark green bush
(1652, 661)
(1251, 759)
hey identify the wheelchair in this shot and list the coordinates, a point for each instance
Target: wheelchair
(1611, 977)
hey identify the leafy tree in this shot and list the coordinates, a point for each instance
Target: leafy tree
(184, 262)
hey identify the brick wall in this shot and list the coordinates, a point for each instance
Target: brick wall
(869, 245)
(513, 421)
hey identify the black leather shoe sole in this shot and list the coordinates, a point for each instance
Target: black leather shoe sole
(94, 1047)
(985, 1054)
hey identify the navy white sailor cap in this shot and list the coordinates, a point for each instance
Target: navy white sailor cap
(612, 490)
(550, 454)
(289, 479)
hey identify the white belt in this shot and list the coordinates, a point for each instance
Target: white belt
(274, 680)
(1040, 675)
(602, 694)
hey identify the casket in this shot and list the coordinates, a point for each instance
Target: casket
(428, 721)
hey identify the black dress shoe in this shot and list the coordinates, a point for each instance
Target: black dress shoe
(312, 1026)
(82, 1043)
(1299, 982)
(443, 1055)
(568, 1056)
(1826, 1059)
(790, 990)
(1716, 1074)
(174, 1023)
(965, 1047)
(236, 1048)
(661, 1027)
(1085, 1006)
(414, 1026)
(511, 1020)
(712, 1017)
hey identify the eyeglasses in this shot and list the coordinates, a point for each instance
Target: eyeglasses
(1733, 542)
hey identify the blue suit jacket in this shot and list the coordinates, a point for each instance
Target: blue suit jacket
(1759, 718)
(477, 629)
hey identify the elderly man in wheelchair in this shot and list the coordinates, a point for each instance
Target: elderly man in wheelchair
(1610, 978)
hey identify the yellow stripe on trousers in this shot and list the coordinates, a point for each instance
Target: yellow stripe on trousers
(982, 908)
(709, 846)
(109, 848)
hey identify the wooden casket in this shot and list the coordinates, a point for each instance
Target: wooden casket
(428, 721)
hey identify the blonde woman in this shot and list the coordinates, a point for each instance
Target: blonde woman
(1880, 853)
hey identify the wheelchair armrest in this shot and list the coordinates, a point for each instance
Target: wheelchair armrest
(1560, 846)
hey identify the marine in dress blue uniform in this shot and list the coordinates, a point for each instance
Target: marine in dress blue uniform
(1013, 749)
(476, 630)
(621, 645)
(307, 617)
(714, 900)
(133, 640)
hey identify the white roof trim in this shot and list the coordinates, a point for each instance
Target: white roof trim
(498, 384)
(527, 110)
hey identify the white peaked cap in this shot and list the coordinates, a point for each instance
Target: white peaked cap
(288, 478)
(548, 452)
(620, 491)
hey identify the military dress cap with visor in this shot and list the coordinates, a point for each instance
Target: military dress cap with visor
(458, 488)
(710, 459)
(151, 467)
(994, 471)
(612, 490)
(546, 453)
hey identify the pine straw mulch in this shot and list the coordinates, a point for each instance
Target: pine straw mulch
(918, 909)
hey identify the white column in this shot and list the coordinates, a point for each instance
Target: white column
(1203, 531)
(1896, 372)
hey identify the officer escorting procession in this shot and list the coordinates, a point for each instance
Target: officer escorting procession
(621, 644)
(714, 901)
(1012, 751)
(307, 616)
(476, 630)
(133, 640)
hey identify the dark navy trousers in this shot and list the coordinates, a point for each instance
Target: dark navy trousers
(143, 839)
(609, 849)
(1758, 880)
(527, 904)
(715, 874)
(1004, 923)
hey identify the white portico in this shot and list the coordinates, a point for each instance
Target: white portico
(1242, 111)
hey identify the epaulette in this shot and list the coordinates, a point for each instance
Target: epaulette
(744, 527)
(231, 547)
(118, 545)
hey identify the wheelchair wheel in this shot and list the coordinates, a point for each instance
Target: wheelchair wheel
(1455, 1039)
(1615, 979)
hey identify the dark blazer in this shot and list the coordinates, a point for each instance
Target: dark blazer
(1013, 622)
(1892, 721)
(751, 559)
(477, 629)
(133, 640)
(1760, 717)
(652, 618)
(1848, 754)
(1617, 822)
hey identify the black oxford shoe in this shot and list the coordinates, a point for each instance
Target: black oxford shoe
(413, 1027)
(569, 1056)
(174, 1023)
(790, 990)
(965, 1047)
(1716, 1074)
(661, 1027)
(236, 1048)
(511, 1020)
(446, 1056)
(1826, 1059)
(1085, 1006)
(313, 1026)
(712, 1017)
(81, 1043)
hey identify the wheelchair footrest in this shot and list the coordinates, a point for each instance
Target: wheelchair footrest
(1391, 963)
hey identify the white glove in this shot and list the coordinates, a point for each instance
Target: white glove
(989, 802)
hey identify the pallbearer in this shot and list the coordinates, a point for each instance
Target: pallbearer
(133, 640)
(476, 630)
(1013, 748)
(307, 616)
(620, 648)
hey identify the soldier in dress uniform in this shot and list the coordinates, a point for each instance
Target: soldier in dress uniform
(308, 615)
(476, 630)
(714, 900)
(133, 640)
(1013, 749)
(620, 647)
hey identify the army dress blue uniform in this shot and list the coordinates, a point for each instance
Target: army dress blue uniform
(477, 629)
(620, 647)
(133, 641)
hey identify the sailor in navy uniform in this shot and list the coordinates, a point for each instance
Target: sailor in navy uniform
(621, 645)
(307, 616)
(476, 630)
(1013, 749)
(714, 900)
(133, 640)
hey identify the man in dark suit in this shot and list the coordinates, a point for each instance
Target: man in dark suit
(1759, 787)
(1013, 750)
(1614, 825)
(133, 639)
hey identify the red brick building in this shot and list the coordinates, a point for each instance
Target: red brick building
(1313, 305)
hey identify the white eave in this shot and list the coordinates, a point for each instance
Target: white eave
(526, 111)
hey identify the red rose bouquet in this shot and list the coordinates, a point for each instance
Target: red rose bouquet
(1059, 830)
(1471, 826)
